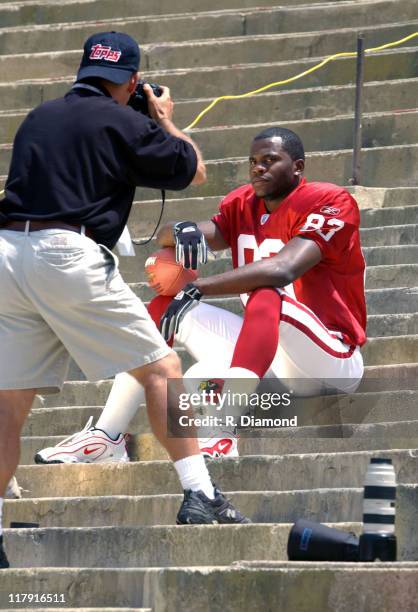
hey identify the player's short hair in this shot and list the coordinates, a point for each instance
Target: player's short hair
(291, 142)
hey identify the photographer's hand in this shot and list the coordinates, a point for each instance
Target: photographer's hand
(161, 110)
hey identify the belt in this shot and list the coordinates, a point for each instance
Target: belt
(36, 226)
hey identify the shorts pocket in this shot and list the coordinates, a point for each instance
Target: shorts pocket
(112, 263)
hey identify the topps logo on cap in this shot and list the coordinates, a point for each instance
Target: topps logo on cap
(330, 210)
(99, 52)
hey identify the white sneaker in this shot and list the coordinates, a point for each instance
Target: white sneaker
(87, 446)
(13, 491)
(221, 444)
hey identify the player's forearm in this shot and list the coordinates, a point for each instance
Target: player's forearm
(200, 176)
(266, 273)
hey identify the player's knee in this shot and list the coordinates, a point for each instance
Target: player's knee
(171, 366)
(262, 293)
(263, 301)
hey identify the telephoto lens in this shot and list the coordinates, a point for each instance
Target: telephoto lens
(309, 541)
(378, 541)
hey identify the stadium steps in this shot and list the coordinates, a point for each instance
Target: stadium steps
(342, 504)
(104, 526)
(379, 129)
(47, 12)
(211, 52)
(313, 438)
(285, 586)
(224, 79)
(398, 95)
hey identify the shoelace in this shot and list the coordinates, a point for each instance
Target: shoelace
(78, 434)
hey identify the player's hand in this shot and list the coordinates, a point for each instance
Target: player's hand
(183, 302)
(191, 247)
(159, 107)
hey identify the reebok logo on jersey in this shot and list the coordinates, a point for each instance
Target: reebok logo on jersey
(330, 210)
(99, 52)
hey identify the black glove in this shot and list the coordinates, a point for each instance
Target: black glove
(191, 247)
(184, 301)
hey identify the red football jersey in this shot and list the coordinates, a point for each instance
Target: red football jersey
(334, 288)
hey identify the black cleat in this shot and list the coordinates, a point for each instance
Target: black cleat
(4, 564)
(197, 509)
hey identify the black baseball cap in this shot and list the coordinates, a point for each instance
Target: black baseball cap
(113, 56)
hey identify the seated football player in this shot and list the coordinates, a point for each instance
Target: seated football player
(299, 269)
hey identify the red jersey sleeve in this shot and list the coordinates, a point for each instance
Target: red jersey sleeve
(332, 222)
(222, 220)
(231, 212)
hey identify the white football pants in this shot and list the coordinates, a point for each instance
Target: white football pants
(308, 354)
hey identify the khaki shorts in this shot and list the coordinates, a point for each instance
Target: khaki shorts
(62, 295)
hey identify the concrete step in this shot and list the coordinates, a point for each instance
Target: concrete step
(149, 546)
(385, 301)
(379, 130)
(63, 421)
(309, 439)
(390, 255)
(215, 81)
(361, 407)
(378, 165)
(211, 52)
(30, 12)
(392, 325)
(379, 350)
(390, 235)
(394, 215)
(81, 609)
(313, 102)
(392, 276)
(182, 26)
(323, 505)
(143, 217)
(324, 134)
(82, 393)
(282, 586)
(333, 166)
(144, 214)
(396, 96)
(252, 473)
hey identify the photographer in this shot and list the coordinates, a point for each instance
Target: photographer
(75, 166)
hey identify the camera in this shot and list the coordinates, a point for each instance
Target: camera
(139, 100)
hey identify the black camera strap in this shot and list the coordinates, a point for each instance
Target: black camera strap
(142, 243)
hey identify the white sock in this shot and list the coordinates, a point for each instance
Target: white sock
(194, 475)
(1, 512)
(125, 397)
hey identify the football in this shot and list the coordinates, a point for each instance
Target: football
(165, 275)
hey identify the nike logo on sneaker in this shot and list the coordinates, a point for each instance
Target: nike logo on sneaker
(221, 446)
(88, 451)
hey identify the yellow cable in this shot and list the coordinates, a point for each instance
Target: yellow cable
(297, 76)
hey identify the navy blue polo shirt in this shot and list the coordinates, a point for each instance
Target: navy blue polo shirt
(79, 158)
